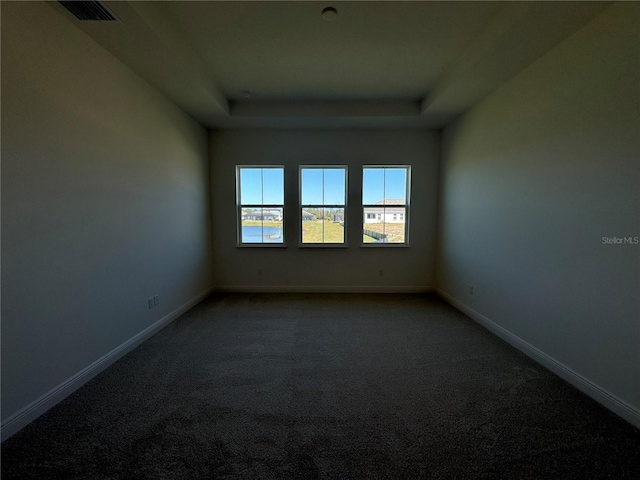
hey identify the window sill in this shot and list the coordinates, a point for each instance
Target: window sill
(323, 245)
(262, 245)
(384, 245)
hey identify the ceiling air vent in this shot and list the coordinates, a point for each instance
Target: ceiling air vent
(89, 11)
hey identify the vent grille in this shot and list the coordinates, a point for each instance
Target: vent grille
(89, 11)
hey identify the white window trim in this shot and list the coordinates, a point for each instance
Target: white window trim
(239, 207)
(407, 215)
(302, 206)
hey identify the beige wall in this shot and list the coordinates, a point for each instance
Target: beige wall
(532, 178)
(105, 202)
(324, 269)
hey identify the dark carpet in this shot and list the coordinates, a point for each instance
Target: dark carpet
(284, 386)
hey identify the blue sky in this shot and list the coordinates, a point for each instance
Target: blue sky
(252, 181)
(383, 183)
(323, 186)
(320, 186)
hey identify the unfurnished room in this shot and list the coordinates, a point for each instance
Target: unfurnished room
(320, 240)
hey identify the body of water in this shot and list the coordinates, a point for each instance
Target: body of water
(258, 234)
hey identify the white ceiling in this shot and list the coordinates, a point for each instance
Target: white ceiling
(378, 64)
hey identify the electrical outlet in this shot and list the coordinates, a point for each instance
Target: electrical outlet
(156, 300)
(150, 302)
(470, 289)
(381, 273)
(259, 272)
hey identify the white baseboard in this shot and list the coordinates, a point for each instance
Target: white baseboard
(595, 391)
(28, 414)
(322, 289)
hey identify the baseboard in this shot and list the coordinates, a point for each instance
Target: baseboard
(323, 289)
(595, 391)
(28, 414)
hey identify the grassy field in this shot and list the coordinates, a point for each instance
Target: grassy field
(334, 232)
(312, 232)
(257, 223)
(394, 231)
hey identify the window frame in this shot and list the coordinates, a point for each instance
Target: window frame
(302, 206)
(263, 206)
(406, 206)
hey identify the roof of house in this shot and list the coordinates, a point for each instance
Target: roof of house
(384, 204)
(262, 213)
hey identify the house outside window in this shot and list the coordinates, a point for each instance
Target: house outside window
(385, 202)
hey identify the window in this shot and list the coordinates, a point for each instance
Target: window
(385, 203)
(260, 205)
(323, 194)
